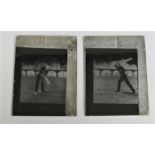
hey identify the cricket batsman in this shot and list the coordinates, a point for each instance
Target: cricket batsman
(123, 77)
(41, 78)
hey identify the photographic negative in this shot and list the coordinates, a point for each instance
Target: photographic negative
(115, 75)
(45, 76)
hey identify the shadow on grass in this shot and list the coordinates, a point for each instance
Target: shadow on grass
(129, 93)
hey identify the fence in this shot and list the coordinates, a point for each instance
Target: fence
(50, 72)
(114, 72)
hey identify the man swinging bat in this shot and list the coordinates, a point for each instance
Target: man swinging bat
(123, 77)
(41, 78)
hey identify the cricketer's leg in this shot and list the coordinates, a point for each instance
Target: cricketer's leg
(42, 85)
(129, 85)
(37, 83)
(119, 84)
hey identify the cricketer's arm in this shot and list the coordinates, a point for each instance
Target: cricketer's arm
(46, 78)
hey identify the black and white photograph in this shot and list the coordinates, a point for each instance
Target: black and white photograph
(112, 82)
(40, 81)
(116, 78)
(45, 76)
(43, 80)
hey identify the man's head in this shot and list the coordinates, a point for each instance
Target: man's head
(44, 66)
(117, 65)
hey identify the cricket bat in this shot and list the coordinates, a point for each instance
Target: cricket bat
(48, 82)
(124, 61)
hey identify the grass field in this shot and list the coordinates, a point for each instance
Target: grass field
(56, 91)
(104, 90)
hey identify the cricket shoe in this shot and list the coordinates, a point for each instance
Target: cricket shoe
(35, 93)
